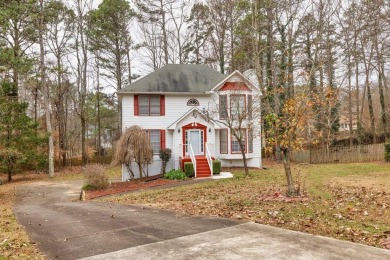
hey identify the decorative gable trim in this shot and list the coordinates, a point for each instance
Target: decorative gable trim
(246, 81)
(192, 110)
(235, 86)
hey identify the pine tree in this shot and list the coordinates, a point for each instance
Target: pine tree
(20, 145)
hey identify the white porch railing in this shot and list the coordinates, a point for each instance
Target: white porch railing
(209, 160)
(192, 156)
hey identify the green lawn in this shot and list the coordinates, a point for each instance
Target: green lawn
(345, 201)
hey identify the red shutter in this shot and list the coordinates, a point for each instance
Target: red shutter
(162, 105)
(162, 139)
(136, 111)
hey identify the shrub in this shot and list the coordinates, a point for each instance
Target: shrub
(9, 159)
(95, 177)
(387, 152)
(165, 156)
(189, 169)
(175, 175)
(216, 167)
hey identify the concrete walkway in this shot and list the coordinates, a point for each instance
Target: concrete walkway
(249, 241)
(65, 228)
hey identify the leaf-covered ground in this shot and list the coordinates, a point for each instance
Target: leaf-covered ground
(345, 201)
(14, 242)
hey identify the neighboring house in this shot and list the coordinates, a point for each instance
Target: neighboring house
(179, 108)
(345, 125)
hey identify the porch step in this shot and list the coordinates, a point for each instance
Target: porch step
(202, 167)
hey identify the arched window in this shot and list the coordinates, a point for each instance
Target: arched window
(192, 102)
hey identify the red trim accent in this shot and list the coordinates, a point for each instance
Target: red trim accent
(183, 161)
(162, 105)
(235, 86)
(190, 126)
(162, 139)
(136, 111)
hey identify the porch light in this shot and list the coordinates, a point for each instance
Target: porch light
(178, 130)
(209, 130)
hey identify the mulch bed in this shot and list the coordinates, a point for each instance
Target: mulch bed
(119, 187)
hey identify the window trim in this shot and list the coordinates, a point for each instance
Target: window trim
(220, 107)
(161, 105)
(230, 103)
(227, 141)
(245, 142)
(250, 138)
(250, 107)
(193, 102)
(148, 132)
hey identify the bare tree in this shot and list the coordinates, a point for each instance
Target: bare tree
(59, 35)
(45, 87)
(82, 7)
(240, 112)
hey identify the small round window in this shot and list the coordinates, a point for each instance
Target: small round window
(193, 102)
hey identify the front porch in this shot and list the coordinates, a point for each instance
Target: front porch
(201, 166)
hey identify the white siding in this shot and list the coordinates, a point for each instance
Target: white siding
(152, 169)
(175, 108)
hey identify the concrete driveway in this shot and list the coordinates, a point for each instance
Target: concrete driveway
(65, 228)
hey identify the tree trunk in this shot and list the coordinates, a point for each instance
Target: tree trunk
(164, 31)
(291, 190)
(84, 49)
(119, 82)
(9, 172)
(46, 88)
(350, 100)
(245, 161)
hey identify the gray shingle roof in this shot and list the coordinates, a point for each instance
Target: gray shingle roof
(177, 78)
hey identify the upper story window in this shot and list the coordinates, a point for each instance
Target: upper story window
(240, 106)
(149, 105)
(237, 106)
(223, 108)
(193, 102)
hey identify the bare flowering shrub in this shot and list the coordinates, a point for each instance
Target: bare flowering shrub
(95, 177)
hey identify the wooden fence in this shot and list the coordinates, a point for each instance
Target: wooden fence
(346, 154)
(78, 161)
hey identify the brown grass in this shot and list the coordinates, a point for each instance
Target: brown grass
(338, 206)
(14, 241)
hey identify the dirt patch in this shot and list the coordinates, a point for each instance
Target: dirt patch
(368, 182)
(119, 187)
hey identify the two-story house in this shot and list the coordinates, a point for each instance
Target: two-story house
(186, 108)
